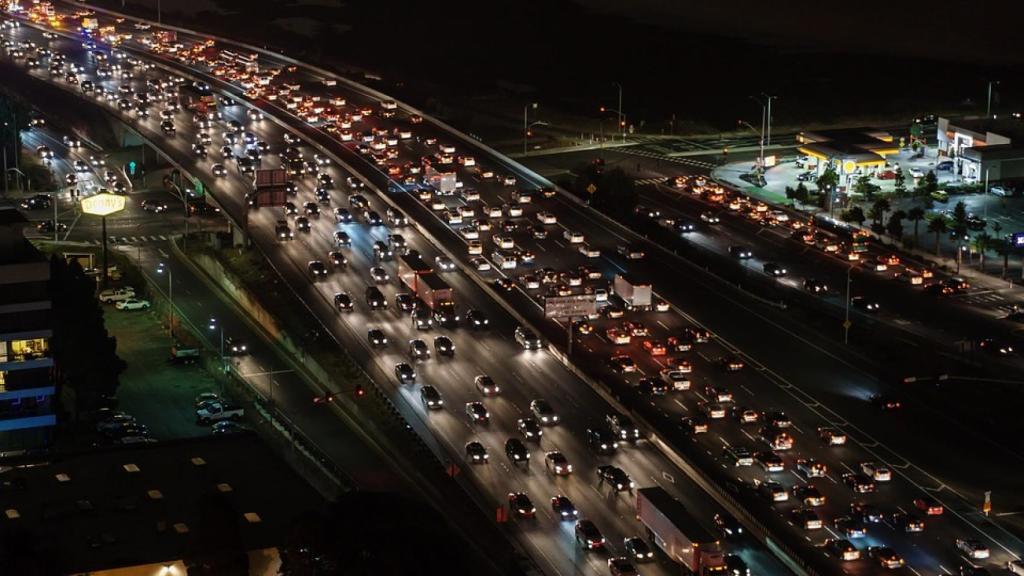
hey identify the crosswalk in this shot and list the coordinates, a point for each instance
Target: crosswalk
(703, 164)
(132, 240)
(992, 300)
(649, 181)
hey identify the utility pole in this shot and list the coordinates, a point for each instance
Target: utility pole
(988, 106)
(526, 125)
(622, 118)
(846, 321)
(768, 136)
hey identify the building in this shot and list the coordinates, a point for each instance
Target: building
(851, 152)
(153, 509)
(27, 389)
(983, 149)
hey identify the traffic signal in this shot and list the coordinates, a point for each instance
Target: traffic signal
(360, 391)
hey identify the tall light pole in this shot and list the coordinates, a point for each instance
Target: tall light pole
(846, 321)
(988, 106)
(215, 326)
(160, 269)
(760, 158)
(526, 126)
(622, 117)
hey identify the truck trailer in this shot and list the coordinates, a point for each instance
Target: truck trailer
(678, 534)
(420, 278)
(634, 293)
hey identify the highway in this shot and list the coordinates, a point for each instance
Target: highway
(803, 396)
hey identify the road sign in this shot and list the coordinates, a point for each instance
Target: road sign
(577, 305)
(847, 324)
(591, 188)
(986, 508)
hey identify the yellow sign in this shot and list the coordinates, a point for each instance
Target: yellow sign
(591, 189)
(103, 204)
(849, 167)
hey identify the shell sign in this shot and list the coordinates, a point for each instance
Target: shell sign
(103, 204)
(849, 167)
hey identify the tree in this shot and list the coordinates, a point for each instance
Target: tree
(85, 354)
(865, 187)
(854, 215)
(827, 180)
(878, 210)
(959, 223)
(895, 225)
(982, 243)
(938, 226)
(1001, 245)
(614, 191)
(929, 184)
(798, 194)
(901, 182)
(915, 215)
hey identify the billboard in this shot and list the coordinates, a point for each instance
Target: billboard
(577, 305)
(1018, 239)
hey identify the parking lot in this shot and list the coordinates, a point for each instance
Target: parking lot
(159, 394)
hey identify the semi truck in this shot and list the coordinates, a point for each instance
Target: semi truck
(678, 534)
(435, 293)
(635, 294)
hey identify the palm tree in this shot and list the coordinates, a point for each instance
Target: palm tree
(937, 225)
(1002, 247)
(880, 207)
(915, 215)
(982, 243)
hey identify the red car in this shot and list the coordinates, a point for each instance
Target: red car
(929, 506)
(886, 175)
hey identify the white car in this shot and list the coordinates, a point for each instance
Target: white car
(546, 218)
(916, 173)
(677, 379)
(709, 217)
(470, 232)
(474, 247)
(132, 304)
(573, 237)
(480, 263)
(972, 548)
(876, 472)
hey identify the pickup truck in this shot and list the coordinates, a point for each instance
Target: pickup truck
(218, 411)
(116, 295)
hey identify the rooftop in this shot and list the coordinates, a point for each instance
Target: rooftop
(1008, 126)
(126, 506)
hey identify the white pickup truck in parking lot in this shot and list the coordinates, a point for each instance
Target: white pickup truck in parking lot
(218, 411)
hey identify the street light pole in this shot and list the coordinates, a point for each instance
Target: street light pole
(622, 123)
(988, 106)
(526, 126)
(846, 321)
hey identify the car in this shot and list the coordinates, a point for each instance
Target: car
(727, 524)
(866, 512)
(907, 522)
(379, 275)
(227, 427)
(709, 218)
(476, 453)
(929, 506)
(543, 412)
(831, 436)
(1015, 566)
(154, 206)
(521, 505)
(730, 363)
(807, 519)
(771, 490)
(444, 263)
(343, 302)
(48, 227)
(113, 421)
(621, 566)
(815, 286)
(476, 319)
(418, 350)
(316, 269)
(887, 557)
(677, 379)
(217, 411)
(876, 472)
(477, 412)
(431, 398)
(218, 170)
(302, 224)
(527, 339)
(517, 452)
(850, 527)
(564, 508)
(615, 477)
(602, 440)
(112, 295)
(376, 337)
(588, 536)
(694, 424)
(769, 461)
(863, 304)
(337, 259)
(638, 549)
(886, 402)
(132, 304)
(405, 373)
(811, 468)
(718, 394)
(972, 570)
(622, 363)
(774, 269)
(746, 415)
(623, 427)
(234, 346)
(809, 495)
(529, 428)
(557, 463)
(995, 347)
(843, 549)
(858, 482)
